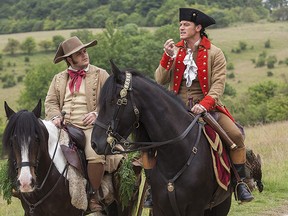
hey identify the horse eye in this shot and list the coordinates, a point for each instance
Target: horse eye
(37, 139)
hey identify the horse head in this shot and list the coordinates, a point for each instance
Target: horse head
(118, 113)
(22, 140)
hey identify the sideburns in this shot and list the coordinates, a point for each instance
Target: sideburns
(73, 61)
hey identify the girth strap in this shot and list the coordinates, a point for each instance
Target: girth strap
(171, 185)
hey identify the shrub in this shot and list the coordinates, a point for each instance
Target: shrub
(229, 90)
(20, 78)
(26, 59)
(270, 73)
(242, 45)
(1, 64)
(267, 44)
(230, 66)
(10, 82)
(231, 75)
(260, 62)
(271, 60)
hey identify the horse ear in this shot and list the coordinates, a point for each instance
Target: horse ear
(115, 70)
(8, 110)
(37, 109)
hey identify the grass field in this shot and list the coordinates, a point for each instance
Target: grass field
(270, 141)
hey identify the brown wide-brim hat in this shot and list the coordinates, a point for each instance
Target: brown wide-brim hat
(196, 16)
(70, 46)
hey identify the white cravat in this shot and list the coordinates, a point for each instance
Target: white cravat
(190, 72)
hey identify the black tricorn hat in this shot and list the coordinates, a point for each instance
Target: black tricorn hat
(196, 16)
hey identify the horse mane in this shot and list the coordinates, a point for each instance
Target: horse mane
(22, 124)
(109, 87)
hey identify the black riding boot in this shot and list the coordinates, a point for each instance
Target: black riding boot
(242, 192)
(148, 203)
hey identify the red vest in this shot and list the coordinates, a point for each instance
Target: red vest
(202, 64)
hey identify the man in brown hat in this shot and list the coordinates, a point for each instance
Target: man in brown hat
(75, 91)
(195, 69)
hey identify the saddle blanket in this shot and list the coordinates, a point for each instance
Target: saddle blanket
(220, 158)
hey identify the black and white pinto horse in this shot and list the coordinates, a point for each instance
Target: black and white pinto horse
(45, 182)
(183, 181)
(37, 166)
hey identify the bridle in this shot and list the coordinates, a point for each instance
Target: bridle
(112, 136)
(32, 206)
(118, 143)
(27, 163)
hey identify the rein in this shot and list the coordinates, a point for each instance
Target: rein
(33, 206)
(51, 163)
(124, 142)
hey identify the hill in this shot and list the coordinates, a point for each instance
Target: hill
(40, 15)
(246, 74)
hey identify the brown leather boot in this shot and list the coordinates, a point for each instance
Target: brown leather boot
(95, 174)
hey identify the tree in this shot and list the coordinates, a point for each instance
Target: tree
(84, 35)
(270, 4)
(29, 45)
(1, 62)
(262, 92)
(45, 44)
(12, 46)
(56, 40)
(36, 84)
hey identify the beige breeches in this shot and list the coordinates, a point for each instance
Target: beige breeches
(238, 156)
(91, 155)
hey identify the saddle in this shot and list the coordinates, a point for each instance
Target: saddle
(76, 135)
(74, 149)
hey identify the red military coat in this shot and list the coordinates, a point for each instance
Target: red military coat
(211, 64)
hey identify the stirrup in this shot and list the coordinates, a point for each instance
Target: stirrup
(237, 195)
(148, 202)
(95, 206)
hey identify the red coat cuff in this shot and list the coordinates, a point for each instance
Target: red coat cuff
(166, 61)
(208, 102)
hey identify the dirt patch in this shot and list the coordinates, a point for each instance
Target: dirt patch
(280, 211)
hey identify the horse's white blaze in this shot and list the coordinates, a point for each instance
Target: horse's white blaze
(59, 159)
(25, 176)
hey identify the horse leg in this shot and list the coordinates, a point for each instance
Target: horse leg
(220, 210)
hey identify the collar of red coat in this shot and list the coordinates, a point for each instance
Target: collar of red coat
(205, 42)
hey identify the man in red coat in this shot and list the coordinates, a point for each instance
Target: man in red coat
(195, 69)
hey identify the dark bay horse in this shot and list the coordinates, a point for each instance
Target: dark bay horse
(40, 172)
(183, 181)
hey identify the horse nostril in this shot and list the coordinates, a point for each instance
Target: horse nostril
(33, 182)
